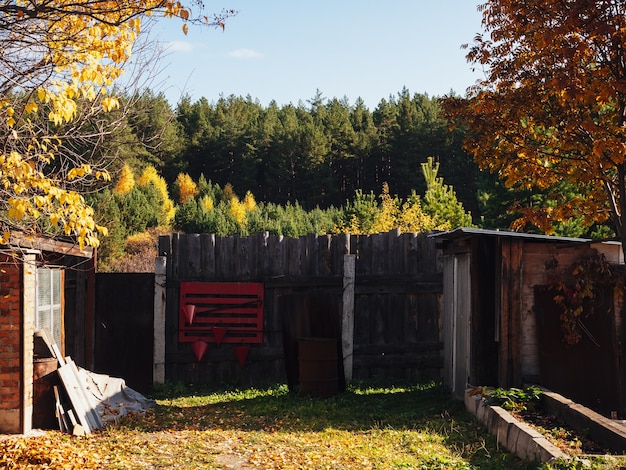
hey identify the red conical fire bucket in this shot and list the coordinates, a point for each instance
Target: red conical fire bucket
(218, 333)
(199, 349)
(190, 312)
(241, 352)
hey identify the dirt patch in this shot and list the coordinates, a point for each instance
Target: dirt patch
(230, 457)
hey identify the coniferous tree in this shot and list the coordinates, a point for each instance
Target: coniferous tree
(366, 136)
(378, 169)
(341, 157)
(440, 200)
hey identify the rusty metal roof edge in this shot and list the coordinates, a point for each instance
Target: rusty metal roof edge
(466, 231)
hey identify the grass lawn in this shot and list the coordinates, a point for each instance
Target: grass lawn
(417, 426)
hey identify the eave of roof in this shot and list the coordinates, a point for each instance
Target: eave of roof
(465, 231)
(50, 245)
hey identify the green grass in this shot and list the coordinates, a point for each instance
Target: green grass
(370, 426)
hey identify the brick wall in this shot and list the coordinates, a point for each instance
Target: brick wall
(10, 344)
(16, 342)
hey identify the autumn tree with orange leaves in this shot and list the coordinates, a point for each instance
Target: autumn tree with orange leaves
(551, 109)
(59, 61)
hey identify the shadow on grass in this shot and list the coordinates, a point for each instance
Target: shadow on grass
(361, 407)
(420, 407)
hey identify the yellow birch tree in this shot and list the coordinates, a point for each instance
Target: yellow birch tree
(53, 55)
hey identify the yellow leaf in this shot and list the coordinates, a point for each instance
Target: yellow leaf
(109, 103)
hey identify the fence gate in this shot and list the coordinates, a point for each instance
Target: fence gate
(125, 327)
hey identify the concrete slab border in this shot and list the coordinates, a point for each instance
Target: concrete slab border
(515, 436)
(601, 429)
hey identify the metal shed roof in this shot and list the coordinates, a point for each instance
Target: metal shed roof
(464, 231)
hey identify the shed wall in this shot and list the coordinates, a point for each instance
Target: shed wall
(534, 273)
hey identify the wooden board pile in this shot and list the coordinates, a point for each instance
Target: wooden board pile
(75, 407)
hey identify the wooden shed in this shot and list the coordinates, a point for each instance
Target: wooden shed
(44, 284)
(493, 303)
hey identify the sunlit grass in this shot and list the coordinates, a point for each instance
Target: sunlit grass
(370, 426)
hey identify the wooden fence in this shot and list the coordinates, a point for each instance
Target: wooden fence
(393, 298)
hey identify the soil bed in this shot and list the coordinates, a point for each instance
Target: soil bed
(560, 434)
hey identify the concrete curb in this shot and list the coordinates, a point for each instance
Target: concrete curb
(599, 428)
(515, 436)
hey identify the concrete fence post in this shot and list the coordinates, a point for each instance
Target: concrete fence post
(347, 318)
(160, 278)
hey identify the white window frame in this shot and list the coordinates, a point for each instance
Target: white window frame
(49, 304)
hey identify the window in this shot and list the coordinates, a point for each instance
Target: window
(49, 303)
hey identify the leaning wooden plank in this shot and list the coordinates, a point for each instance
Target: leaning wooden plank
(72, 388)
(73, 421)
(58, 355)
(59, 411)
(95, 419)
(75, 428)
(95, 422)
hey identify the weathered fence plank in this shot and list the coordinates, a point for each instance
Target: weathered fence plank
(294, 256)
(324, 255)
(207, 256)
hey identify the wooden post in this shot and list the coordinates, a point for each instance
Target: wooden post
(90, 312)
(347, 320)
(27, 329)
(158, 358)
(509, 359)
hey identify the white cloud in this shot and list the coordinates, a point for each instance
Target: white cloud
(245, 54)
(179, 46)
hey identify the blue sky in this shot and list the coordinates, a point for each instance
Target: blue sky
(286, 50)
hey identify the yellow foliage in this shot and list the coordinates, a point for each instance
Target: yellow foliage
(413, 219)
(387, 216)
(249, 203)
(207, 203)
(187, 188)
(393, 213)
(125, 182)
(139, 241)
(149, 176)
(36, 196)
(110, 103)
(79, 172)
(238, 211)
(65, 52)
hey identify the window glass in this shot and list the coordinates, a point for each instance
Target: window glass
(49, 312)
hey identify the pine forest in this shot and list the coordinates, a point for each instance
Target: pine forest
(236, 167)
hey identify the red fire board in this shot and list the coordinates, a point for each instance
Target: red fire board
(235, 306)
